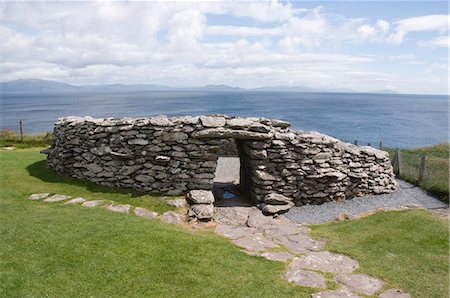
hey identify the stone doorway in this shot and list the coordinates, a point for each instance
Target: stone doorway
(226, 188)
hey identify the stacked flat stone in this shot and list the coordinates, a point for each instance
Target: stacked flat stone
(171, 156)
(201, 204)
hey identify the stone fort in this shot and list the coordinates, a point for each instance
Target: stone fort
(172, 156)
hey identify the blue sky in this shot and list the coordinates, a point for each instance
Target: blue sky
(359, 45)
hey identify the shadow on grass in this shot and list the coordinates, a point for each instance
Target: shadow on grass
(41, 171)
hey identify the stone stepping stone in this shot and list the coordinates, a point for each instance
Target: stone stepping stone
(284, 229)
(394, 293)
(327, 262)
(280, 256)
(233, 232)
(57, 198)
(300, 243)
(178, 203)
(119, 208)
(38, 196)
(172, 218)
(75, 201)
(258, 243)
(256, 219)
(341, 293)
(235, 216)
(305, 278)
(142, 212)
(360, 283)
(92, 203)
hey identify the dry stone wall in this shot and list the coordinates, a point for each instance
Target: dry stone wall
(172, 156)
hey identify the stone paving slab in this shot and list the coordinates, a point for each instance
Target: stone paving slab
(57, 198)
(326, 261)
(305, 278)
(360, 283)
(75, 201)
(280, 256)
(236, 216)
(172, 218)
(340, 293)
(38, 196)
(142, 212)
(92, 203)
(394, 293)
(233, 232)
(258, 243)
(284, 229)
(300, 243)
(119, 208)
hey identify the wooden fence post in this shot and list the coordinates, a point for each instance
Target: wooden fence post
(421, 169)
(21, 130)
(381, 145)
(398, 162)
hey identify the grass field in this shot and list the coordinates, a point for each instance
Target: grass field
(436, 176)
(52, 250)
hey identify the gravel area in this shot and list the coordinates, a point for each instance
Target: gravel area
(407, 195)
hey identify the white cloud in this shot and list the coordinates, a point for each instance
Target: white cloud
(440, 41)
(437, 23)
(374, 33)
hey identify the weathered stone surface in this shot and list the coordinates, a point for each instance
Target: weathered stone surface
(277, 199)
(280, 256)
(231, 133)
(142, 212)
(327, 262)
(299, 243)
(179, 203)
(138, 142)
(254, 242)
(360, 283)
(57, 198)
(236, 216)
(172, 218)
(93, 203)
(75, 201)
(200, 197)
(305, 278)
(212, 121)
(394, 293)
(119, 208)
(273, 209)
(257, 219)
(201, 211)
(340, 293)
(38, 196)
(233, 232)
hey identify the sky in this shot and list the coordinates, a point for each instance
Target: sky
(360, 45)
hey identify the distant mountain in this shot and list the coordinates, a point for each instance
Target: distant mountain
(384, 91)
(218, 88)
(122, 87)
(298, 89)
(35, 85)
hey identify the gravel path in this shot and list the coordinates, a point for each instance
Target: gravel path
(407, 195)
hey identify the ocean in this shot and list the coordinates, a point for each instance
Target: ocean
(398, 120)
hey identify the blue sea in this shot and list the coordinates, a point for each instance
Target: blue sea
(398, 120)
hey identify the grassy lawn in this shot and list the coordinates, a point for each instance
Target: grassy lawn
(52, 250)
(436, 176)
(408, 249)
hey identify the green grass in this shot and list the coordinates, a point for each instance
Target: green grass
(436, 176)
(52, 250)
(407, 249)
(10, 138)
